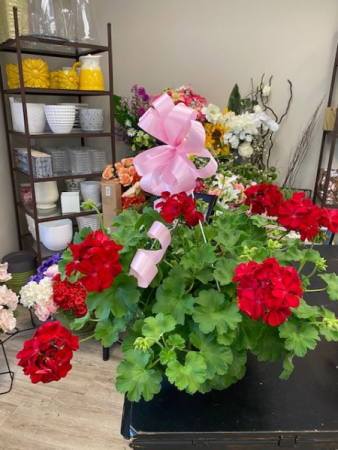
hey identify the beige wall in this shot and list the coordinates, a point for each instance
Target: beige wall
(214, 44)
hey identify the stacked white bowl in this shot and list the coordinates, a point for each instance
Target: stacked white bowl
(57, 234)
(60, 118)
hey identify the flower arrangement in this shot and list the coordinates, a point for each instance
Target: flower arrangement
(125, 170)
(127, 114)
(195, 296)
(8, 302)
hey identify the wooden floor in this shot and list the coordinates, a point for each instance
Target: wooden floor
(82, 411)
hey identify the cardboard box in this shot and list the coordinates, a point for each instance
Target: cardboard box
(111, 200)
(330, 118)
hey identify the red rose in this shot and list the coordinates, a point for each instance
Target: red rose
(174, 206)
(46, 357)
(267, 291)
(264, 198)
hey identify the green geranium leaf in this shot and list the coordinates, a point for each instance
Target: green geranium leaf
(171, 300)
(331, 279)
(226, 338)
(127, 219)
(179, 273)
(155, 327)
(133, 333)
(199, 257)
(205, 275)
(167, 355)
(299, 339)
(108, 331)
(128, 237)
(287, 366)
(119, 298)
(305, 311)
(229, 240)
(248, 333)
(221, 382)
(217, 357)
(135, 380)
(259, 221)
(190, 375)
(238, 367)
(215, 312)
(224, 271)
(79, 323)
(269, 346)
(175, 340)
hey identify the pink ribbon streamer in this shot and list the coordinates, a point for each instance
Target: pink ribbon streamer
(167, 167)
(143, 266)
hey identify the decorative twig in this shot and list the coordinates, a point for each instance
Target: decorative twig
(289, 103)
(264, 103)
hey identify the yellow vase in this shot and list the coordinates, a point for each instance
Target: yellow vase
(54, 80)
(91, 77)
(12, 72)
(35, 73)
(67, 77)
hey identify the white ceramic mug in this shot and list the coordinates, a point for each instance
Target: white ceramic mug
(90, 190)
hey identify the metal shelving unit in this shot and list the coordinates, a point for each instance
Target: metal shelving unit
(333, 136)
(50, 48)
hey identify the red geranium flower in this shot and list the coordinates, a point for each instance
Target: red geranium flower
(97, 259)
(267, 291)
(301, 215)
(46, 357)
(174, 206)
(329, 219)
(70, 296)
(264, 198)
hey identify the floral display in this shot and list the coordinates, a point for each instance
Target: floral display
(188, 97)
(195, 297)
(51, 262)
(70, 297)
(126, 172)
(229, 190)
(127, 114)
(46, 357)
(39, 296)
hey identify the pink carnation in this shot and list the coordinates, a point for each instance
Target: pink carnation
(51, 271)
(4, 275)
(44, 310)
(8, 298)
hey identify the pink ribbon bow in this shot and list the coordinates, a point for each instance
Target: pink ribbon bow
(167, 167)
(143, 266)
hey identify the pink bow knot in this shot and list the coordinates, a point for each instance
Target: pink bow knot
(168, 167)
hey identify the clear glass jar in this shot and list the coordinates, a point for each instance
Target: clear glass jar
(86, 30)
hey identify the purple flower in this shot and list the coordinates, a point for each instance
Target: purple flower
(54, 259)
(145, 97)
(141, 91)
(141, 111)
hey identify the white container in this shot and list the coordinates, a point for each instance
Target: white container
(92, 222)
(31, 226)
(90, 190)
(70, 202)
(35, 113)
(57, 234)
(60, 118)
(46, 194)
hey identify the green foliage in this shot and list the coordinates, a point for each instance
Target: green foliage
(234, 103)
(155, 327)
(136, 379)
(331, 279)
(189, 375)
(299, 338)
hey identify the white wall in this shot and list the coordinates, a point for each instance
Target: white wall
(214, 44)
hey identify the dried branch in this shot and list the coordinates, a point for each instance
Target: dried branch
(302, 149)
(264, 103)
(289, 103)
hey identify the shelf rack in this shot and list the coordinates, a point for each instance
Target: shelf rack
(332, 135)
(31, 45)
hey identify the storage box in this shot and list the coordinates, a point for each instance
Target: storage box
(70, 202)
(60, 160)
(330, 118)
(42, 163)
(111, 200)
(7, 30)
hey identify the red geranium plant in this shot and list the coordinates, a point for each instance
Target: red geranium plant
(223, 289)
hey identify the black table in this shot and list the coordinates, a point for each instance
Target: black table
(260, 412)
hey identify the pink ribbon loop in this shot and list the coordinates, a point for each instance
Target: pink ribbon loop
(143, 266)
(167, 167)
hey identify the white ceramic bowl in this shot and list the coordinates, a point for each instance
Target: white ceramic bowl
(36, 117)
(57, 234)
(60, 118)
(31, 226)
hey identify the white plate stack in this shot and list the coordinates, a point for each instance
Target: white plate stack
(78, 106)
